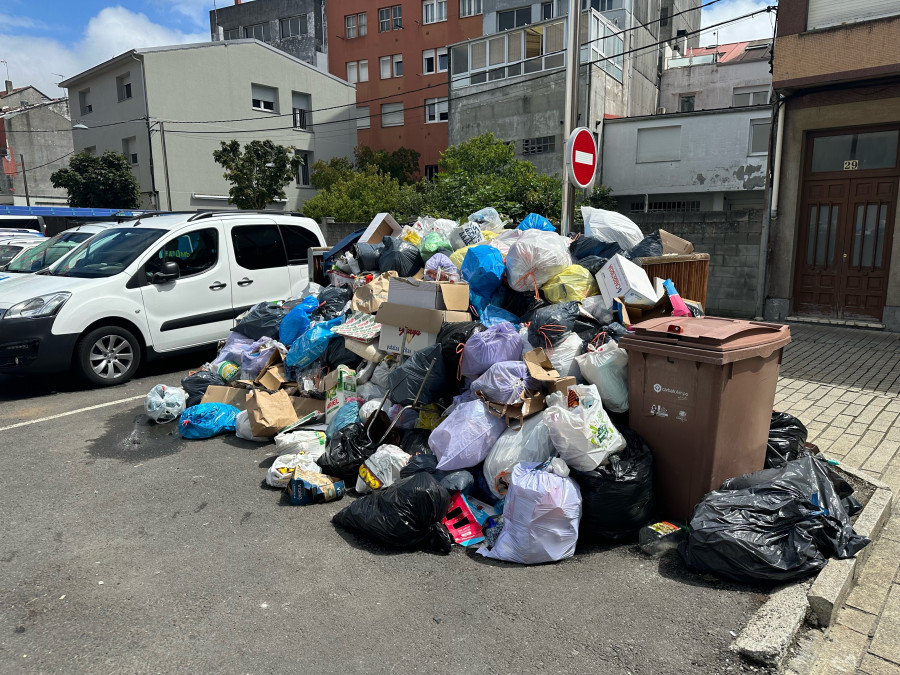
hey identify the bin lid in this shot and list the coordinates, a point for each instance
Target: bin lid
(711, 333)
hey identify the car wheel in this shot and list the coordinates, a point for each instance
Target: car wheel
(108, 355)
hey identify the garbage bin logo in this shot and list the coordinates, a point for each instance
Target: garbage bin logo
(657, 387)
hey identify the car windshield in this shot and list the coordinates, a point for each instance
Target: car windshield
(8, 252)
(48, 252)
(106, 254)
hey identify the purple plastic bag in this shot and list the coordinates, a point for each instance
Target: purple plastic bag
(439, 268)
(255, 358)
(504, 382)
(235, 345)
(482, 350)
(466, 437)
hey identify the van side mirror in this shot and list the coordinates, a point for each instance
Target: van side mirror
(169, 272)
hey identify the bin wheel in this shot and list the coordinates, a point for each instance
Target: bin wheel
(107, 355)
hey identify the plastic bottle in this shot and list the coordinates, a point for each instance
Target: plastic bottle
(660, 537)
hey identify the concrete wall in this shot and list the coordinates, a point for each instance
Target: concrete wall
(711, 84)
(42, 153)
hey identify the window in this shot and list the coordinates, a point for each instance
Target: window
(258, 31)
(298, 241)
(469, 7)
(258, 247)
(872, 150)
(431, 171)
(664, 207)
(357, 71)
(384, 64)
(195, 252)
(391, 66)
(123, 86)
(434, 61)
(606, 5)
(759, 136)
(128, 149)
(301, 106)
(264, 98)
(391, 114)
(744, 97)
(362, 117)
(436, 110)
(434, 11)
(397, 60)
(232, 34)
(513, 18)
(659, 144)
(546, 11)
(824, 13)
(84, 101)
(390, 18)
(663, 16)
(539, 145)
(294, 26)
(355, 25)
(303, 171)
(686, 103)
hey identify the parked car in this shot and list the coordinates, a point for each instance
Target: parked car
(45, 252)
(27, 223)
(152, 287)
(10, 249)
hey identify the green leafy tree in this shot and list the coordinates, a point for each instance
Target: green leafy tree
(356, 198)
(601, 198)
(104, 181)
(258, 173)
(325, 174)
(402, 164)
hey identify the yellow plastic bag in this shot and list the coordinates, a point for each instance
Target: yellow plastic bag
(573, 283)
(458, 255)
(411, 236)
(429, 417)
(488, 234)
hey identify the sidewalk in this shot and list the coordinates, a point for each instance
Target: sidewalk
(844, 384)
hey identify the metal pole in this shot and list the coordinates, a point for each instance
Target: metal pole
(573, 58)
(25, 178)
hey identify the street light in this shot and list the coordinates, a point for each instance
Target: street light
(79, 126)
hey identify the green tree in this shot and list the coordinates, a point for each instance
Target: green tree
(99, 182)
(402, 164)
(601, 198)
(325, 174)
(356, 198)
(258, 173)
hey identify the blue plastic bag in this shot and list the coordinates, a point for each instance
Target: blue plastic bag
(492, 315)
(483, 268)
(346, 414)
(535, 222)
(295, 324)
(312, 344)
(206, 420)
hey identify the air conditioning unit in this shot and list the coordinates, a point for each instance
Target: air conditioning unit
(661, 111)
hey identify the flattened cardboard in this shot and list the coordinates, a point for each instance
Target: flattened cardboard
(382, 225)
(369, 297)
(273, 378)
(269, 413)
(632, 314)
(306, 487)
(530, 403)
(304, 406)
(412, 328)
(429, 294)
(228, 395)
(673, 244)
(541, 369)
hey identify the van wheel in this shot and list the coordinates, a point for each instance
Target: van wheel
(107, 355)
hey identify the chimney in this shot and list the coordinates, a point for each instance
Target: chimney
(237, 2)
(9, 86)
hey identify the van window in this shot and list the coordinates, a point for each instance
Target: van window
(195, 252)
(258, 247)
(298, 240)
(107, 254)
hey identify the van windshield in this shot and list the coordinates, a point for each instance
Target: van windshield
(48, 252)
(107, 253)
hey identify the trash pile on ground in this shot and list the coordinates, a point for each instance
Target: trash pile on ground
(508, 388)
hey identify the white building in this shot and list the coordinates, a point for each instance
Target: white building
(168, 108)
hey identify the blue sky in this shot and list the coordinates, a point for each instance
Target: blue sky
(41, 39)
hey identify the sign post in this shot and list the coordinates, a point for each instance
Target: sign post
(570, 121)
(581, 158)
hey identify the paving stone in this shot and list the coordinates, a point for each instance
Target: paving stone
(873, 665)
(877, 576)
(861, 622)
(892, 526)
(872, 439)
(854, 409)
(842, 651)
(886, 642)
(858, 428)
(831, 433)
(845, 443)
(878, 460)
(857, 455)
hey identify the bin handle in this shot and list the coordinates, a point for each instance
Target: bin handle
(675, 328)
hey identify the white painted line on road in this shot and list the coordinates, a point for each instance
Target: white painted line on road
(72, 412)
(583, 157)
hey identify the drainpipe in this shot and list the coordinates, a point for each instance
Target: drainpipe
(153, 191)
(771, 210)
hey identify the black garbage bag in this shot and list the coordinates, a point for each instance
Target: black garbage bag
(415, 443)
(418, 464)
(405, 380)
(593, 264)
(523, 304)
(787, 435)
(772, 526)
(332, 301)
(368, 255)
(348, 449)
(551, 325)
(589, 330)
(648, 247)
(337, 354)
(404, 515)
(584, 246)
(195, 385)
(617, 498)
(262, 320)
(450, 337)
(400, 256)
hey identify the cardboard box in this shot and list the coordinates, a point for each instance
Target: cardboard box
(306, 487)
(673, 244)
(530, 403)
(542, 370)
(269, 413)
(632, 314)
(304, 405)
(621, 278)
(429, 294)
(382, 225)
(465, 519)
(412, 328)
(339, 387)
(229, 395)
(369, 297)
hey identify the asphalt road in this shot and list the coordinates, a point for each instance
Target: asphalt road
(127, 549)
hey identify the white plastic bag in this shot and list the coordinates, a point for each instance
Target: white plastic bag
(381, 373)
(535, 258)
(312, 443)
(504, 241)
(242, 429)
(487, 219)
(583, 435)
(279, 474)
(611, 226)
(369, 391)
(465, 235)
(596, 306)
(563, 355)
(164, 404)
(540, 518)
(464, 438)
(607, 367)
(381, 469)
(531, 443)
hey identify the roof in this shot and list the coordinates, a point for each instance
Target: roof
(4, 94)
(734, 52)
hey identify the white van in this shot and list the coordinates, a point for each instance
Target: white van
(148, 288)
(44, 252)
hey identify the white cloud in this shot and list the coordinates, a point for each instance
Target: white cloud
(195, 10)
(13, 21)
(755, 28)
(114, 30)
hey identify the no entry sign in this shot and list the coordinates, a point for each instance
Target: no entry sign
(581, 158)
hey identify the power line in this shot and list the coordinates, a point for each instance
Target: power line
(41, 166)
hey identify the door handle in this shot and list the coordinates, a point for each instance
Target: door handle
(245, 282)
(218, 286)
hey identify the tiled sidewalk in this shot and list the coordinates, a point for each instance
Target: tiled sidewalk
(844, 384)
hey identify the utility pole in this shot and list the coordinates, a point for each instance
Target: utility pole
(25, 178)
(573, 60)
(162, 136)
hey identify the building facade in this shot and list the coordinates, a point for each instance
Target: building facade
(833, 249)
(35, 141)
(168, 108)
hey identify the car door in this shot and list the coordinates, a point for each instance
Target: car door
(259, 263)
(297, 241)
(195, 308)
